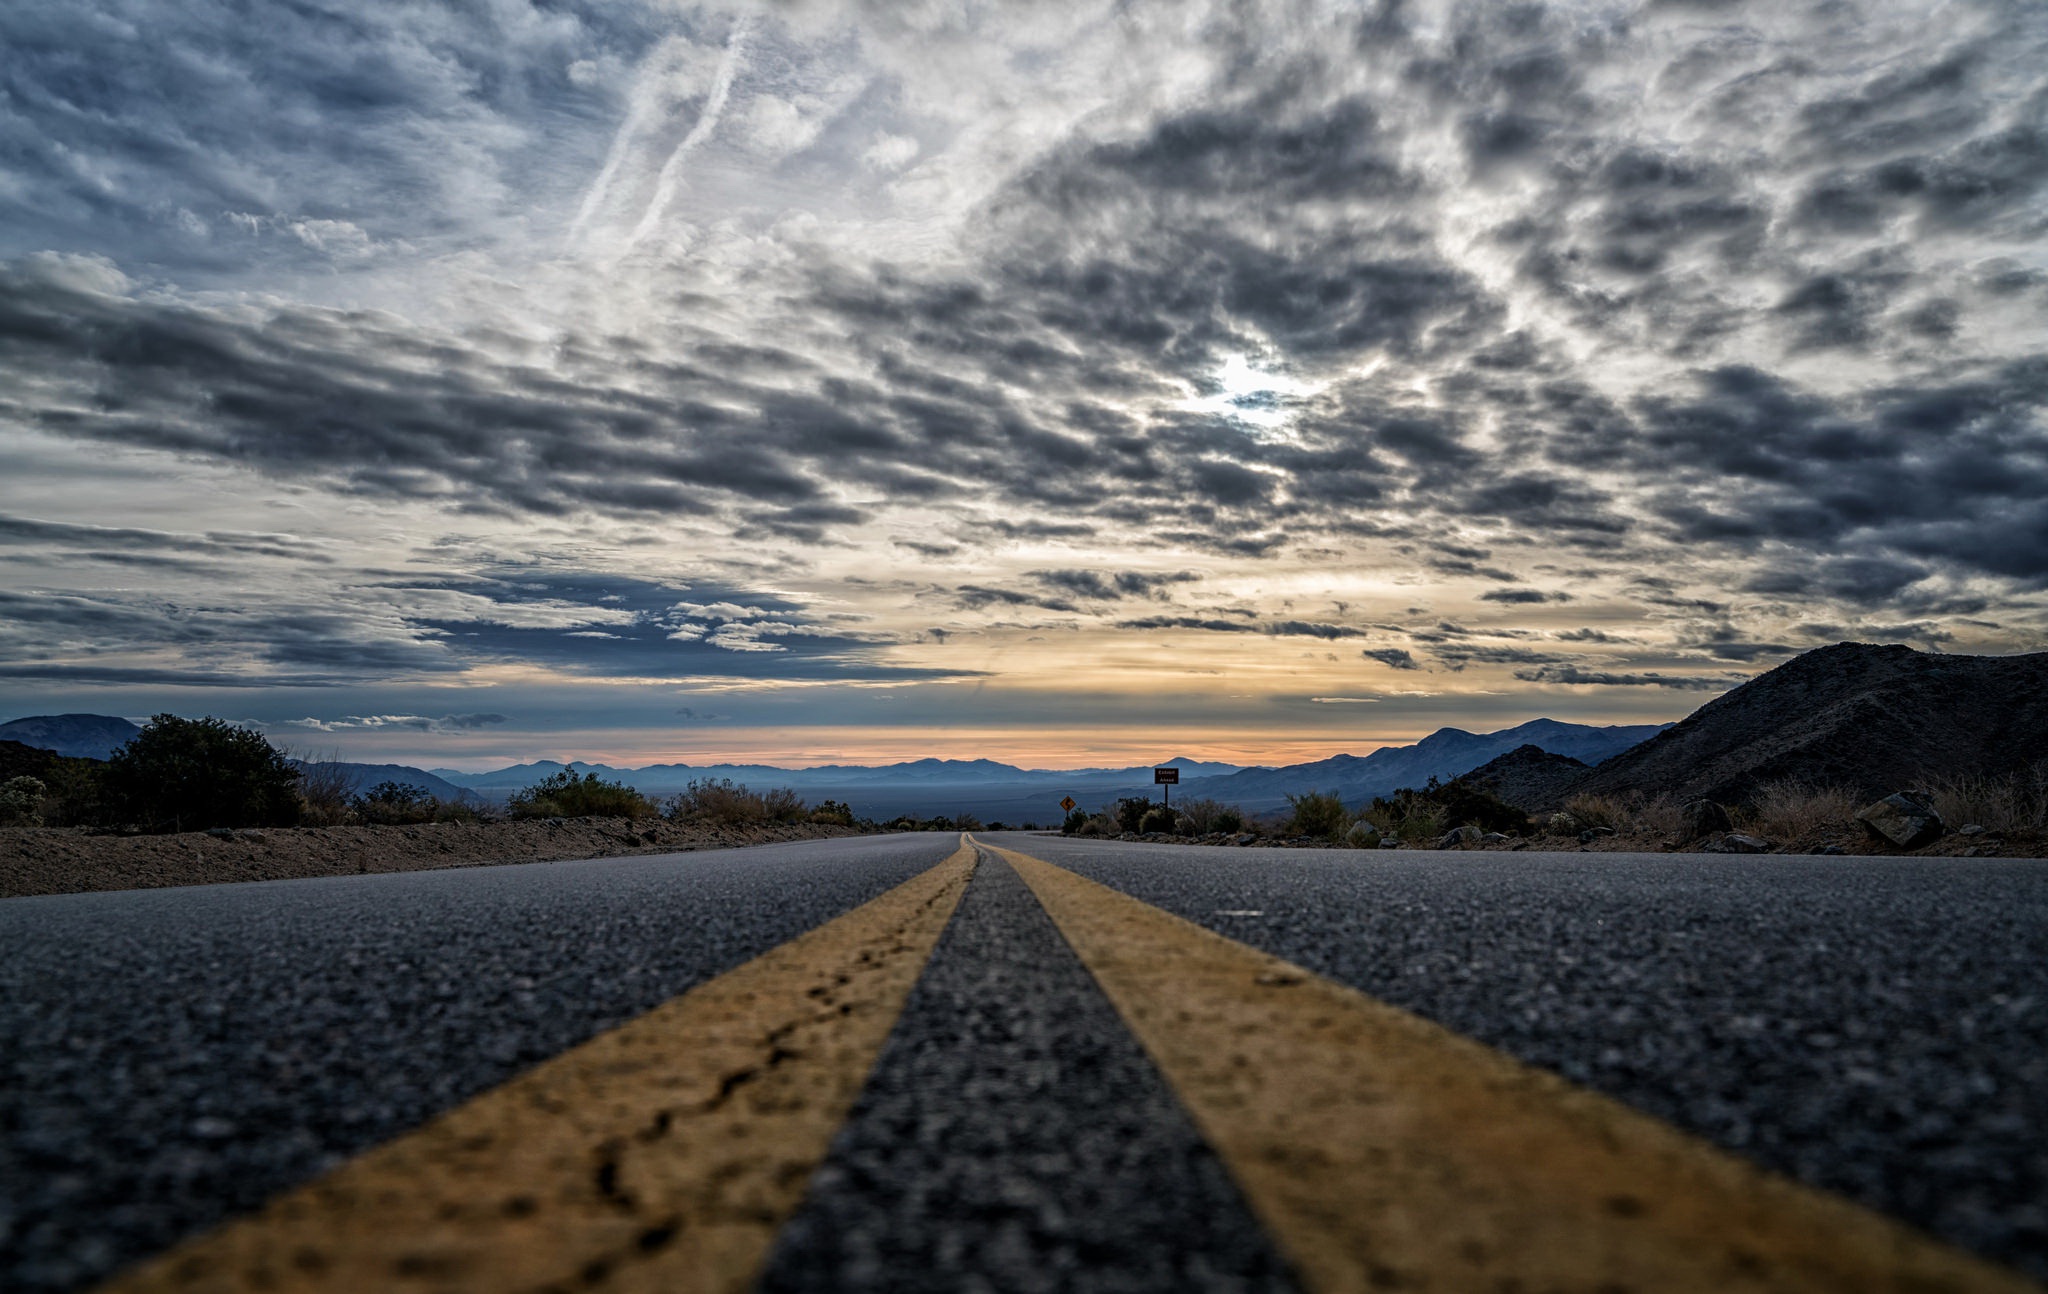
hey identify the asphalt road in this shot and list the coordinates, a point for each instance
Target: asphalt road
(170, 1057)
(1874, 1026)
(1014, 1137)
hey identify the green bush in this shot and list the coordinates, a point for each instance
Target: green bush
(730, 803)
(390, 804)
(1157, 818)
(1072, 825)
(21, 801)
(1317, 813)
(195, 774)
(1212, 815)
(565, 795)
(1131, 810)
(1425, 814)
(832, 813)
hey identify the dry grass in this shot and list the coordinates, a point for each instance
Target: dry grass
(1598, 811)
(325, 789)
(2014, 802)
(1786, 810)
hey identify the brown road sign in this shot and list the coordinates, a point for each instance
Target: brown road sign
(1067, 803)
(1166, 777)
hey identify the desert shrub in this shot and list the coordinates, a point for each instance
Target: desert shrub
(1157, 818)
(782, 805)
(1097, 825)
(1072, 825)
(1597, 811)
(566, 795)
(21, 801)
(1410, 813)
(1212, 815)
(832, 813)
(465, 811)
(391, 804)
(73, 798)
(967, 822)
(1317, 813)
(721, 800)
(2013, 802)
(324, 792)
(1658, 814)
(1131, 810)
(193, 774)
(1789, 808)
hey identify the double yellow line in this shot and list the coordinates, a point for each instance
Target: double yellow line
(1380, 1151)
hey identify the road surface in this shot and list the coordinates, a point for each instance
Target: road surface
(171, 1059)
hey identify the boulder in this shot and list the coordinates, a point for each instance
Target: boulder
(1703, 818)
(1591, 834)
(1363, 835)
(1388, 842)
(1906, 819)
(1459, 837)
(1737, 843)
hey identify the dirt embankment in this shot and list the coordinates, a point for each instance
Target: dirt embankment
(44, 860)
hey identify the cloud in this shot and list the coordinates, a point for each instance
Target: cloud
(1524, 597)
(1392, 657)
(1573, 675)
(411, 722)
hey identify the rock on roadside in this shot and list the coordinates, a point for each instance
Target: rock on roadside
(1905, 818)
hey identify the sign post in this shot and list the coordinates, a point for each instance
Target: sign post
(1167, 779)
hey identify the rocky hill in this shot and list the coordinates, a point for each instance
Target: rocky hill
(1528, 777)
(83, 736)
(1870, 718)
(1443, 754)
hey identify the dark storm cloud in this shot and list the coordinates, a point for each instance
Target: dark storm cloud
(1458, 656)
(106, 542)
(1108, 586)
(1392, 657)
(1190, 622)
(1523, 597)
(1572, 674)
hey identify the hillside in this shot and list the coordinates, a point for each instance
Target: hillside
(1528, 777)
(1871, 718)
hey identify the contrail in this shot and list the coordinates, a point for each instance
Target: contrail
(707, 121)
(647, 97)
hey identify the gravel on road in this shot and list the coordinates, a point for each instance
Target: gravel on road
(171, 1057)
(1876, 1027)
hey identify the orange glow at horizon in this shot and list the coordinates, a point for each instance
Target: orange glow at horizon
(799, 747)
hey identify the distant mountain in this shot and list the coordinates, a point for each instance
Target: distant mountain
(85, 736)
(361, 777)
(1444, 754)
(833, 779)
(1871, 718)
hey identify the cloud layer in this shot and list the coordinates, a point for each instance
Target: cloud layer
(1585, 350)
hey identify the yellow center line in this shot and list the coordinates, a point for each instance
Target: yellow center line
(661, 1155)
(1384, 1152)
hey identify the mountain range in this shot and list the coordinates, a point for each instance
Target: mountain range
(990, 789)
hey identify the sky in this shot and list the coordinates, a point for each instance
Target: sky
(1065, 383)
